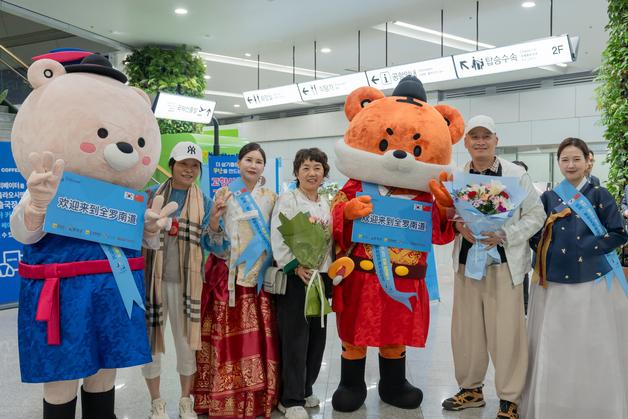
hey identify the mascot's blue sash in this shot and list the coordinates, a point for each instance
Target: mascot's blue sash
(260, 242)
(581, 206)
(381, 260)
(124, 277)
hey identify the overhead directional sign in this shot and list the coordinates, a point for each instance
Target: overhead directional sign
(183, 108)
(272, 97)
(531, 54)
(332, 86)
(429, 71)
(539, 53)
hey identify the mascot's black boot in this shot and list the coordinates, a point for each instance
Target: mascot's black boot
(393, 387)
(60, 411)
(351, 391)
(98, 405)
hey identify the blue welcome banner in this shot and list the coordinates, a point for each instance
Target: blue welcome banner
(90, 209)
(395, 222)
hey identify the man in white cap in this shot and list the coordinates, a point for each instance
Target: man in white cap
(488, 314)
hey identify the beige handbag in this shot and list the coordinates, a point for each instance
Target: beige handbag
(275, 281)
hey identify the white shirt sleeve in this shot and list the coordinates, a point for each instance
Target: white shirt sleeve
(18, 226)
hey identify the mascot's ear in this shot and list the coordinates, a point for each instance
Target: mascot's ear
(143, 95)
(359, 98)
(454, 121)
(43, 71)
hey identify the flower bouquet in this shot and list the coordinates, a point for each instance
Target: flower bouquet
(485, 203)
(308, 239)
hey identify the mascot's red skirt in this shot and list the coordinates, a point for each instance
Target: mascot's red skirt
(367, 316)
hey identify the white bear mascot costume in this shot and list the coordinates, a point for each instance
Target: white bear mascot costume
(72, 323)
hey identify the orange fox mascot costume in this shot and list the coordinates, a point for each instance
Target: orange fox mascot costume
(401, 144)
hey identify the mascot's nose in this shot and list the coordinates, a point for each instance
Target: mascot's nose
(400, 154)
(125, 147)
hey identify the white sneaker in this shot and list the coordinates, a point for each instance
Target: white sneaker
(186, 408)
(158, 409)
(296, 412)
(312, 401)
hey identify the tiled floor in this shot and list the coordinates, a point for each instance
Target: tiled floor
(431, 369)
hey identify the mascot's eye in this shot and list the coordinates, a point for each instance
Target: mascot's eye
(416, 136)
(447, 120)
(383, 145)
(365, 102)
(389, 131)
(103, 133)
(417, 151)
(141, 142)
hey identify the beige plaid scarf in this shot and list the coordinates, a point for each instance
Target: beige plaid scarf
(190, 263)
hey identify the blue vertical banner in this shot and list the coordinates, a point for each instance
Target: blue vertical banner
(431, 276)
(12, 187)
(222, 171)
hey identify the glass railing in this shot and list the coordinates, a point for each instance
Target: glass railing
(13, 77)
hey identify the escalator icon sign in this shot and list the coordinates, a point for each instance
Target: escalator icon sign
(9, 264)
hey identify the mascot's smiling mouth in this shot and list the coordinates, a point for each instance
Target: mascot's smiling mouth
(121, 156)
(388, 169)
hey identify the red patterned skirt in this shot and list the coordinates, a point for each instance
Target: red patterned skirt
(238, 364)
(367, 316)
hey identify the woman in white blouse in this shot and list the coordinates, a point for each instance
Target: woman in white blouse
(302, 341)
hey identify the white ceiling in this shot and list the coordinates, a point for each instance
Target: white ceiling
(271, 27)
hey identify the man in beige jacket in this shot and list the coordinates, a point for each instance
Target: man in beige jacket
(488, 314)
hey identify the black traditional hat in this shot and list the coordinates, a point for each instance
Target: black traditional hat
(410, 86)
(96, 64)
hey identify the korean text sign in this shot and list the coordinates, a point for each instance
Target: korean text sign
(12, 187)
(222, 171)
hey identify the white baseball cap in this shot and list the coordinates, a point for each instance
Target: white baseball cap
(480, 121)
(187, 150)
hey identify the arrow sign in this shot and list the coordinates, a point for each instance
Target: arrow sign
(272, 97)
(374, 79)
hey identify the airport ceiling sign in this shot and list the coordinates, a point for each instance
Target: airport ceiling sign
(272, 97)
(531, 54)
(538, 53)
(332, 86)
(429, 71)
(183, 108)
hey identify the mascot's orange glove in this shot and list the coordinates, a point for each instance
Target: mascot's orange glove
(444, 202)
(358, 207)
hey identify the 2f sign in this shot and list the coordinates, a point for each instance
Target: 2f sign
(557, 49)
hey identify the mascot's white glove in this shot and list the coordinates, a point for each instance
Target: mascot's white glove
(157, 217)
(42, 186)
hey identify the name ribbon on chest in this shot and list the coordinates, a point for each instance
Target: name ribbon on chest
(260, 242)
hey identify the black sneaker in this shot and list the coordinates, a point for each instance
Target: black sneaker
(465, 399)
(507, 410)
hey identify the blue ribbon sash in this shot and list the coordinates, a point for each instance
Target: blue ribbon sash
(124, 277)
(260, 242)
(583, 207)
